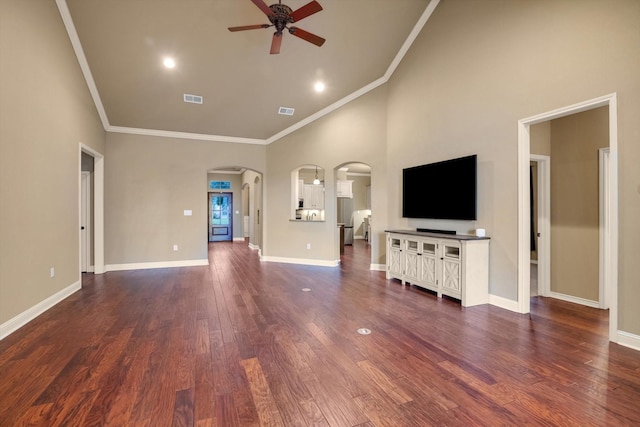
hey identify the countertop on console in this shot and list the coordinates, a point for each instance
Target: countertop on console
(438, 235)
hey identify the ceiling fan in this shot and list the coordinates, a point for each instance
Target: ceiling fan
(280, 15)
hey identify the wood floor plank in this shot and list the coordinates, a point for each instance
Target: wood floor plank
(183, 411)
(36, 415)
(387, 385)
(238, 343)
(268, 411)
(118, 395)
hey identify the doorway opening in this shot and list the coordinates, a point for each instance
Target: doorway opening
(234, 199)
(353, 208)
(610, 204)
(86, 209)
(540, 168)
(91, 207)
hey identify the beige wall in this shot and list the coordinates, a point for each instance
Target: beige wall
(150, 181)
(45, 112)
(540, 138)
(575, 141)
(354, 133)
(477, 68)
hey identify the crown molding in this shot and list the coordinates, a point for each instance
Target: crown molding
(312, 118)
(411, 38)
(82, 60)
(185, 135)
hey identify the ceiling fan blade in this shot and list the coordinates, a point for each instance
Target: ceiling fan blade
(275, 43)
(306, 10)
(305, 35)
(263, 7)
(249, 27)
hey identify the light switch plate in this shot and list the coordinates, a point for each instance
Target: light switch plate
(188, 212)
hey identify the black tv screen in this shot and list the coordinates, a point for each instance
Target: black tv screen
(442, 190)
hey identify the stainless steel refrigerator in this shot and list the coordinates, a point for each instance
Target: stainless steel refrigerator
(345, 216)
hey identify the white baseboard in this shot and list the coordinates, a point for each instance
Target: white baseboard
(378, 267)
(301, 261)
(28, 315)
(238, 239)
(253, 247)
(502, 302)
(629, 340)
(575, 300)
(161, 264)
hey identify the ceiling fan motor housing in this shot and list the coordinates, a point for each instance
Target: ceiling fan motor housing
(280, 17)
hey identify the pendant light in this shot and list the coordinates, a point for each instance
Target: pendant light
(316, 181)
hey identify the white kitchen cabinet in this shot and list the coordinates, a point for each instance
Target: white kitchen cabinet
(344, 188)
(452, 265)
(313, 197)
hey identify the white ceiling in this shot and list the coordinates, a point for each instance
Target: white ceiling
(125, 41)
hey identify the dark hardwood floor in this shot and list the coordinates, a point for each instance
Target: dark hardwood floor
(239, 343)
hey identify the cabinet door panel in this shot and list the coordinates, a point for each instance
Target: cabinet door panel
(395, 266)
(451, 284)
(428, 272)
(411, 266)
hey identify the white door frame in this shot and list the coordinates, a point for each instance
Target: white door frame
(544, 223)
(604, 233)
(98, 207)
(523, 201)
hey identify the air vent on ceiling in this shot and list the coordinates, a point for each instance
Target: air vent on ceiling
(287, 111)
(193, 99)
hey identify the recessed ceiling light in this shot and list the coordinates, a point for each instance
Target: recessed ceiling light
(319, 86)
(169, 62)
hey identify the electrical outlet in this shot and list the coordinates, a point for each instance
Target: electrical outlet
(175, 247)
(308, 246)
(52, 272)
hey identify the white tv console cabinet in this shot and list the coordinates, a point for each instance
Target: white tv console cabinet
(448, 264)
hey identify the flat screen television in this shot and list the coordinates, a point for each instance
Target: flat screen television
(442, 190)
